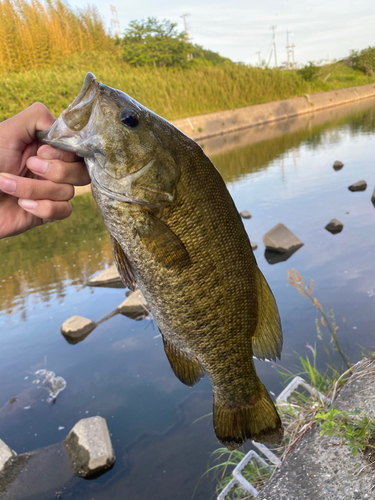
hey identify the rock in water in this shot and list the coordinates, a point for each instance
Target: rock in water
(334, 226)
(245, 214)
(373, 196)
(108, 278)
(254, 246)
(281, 239)
(76, 329)
(5, 454)
(358, 186)
(89, 447)
(338, 165)
(134, 306)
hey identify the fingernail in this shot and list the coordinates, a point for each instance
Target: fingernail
(49, 153)
(28, 204)
(7, 185)
(37, 165)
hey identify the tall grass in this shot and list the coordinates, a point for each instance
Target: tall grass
(170, 93)
(46, 48)
(35, 34)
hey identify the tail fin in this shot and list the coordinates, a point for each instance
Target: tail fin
(258, 421)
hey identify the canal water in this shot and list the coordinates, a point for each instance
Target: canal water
(280, 173)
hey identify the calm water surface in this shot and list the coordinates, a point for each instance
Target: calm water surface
(121, 372)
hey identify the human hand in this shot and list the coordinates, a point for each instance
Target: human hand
(36, 183)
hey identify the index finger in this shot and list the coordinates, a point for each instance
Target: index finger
(49, 153)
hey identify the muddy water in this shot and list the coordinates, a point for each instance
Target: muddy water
(282, 173)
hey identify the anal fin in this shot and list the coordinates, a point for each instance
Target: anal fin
(124, 267)
(186, 368)
(267, 340)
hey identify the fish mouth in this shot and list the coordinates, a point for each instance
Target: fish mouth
(63, 133)
(87, 84)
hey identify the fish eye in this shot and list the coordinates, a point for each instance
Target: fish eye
(128, 118)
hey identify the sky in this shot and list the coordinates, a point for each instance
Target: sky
(321, 30)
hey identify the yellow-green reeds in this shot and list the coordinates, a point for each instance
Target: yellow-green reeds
(34, 34)
(170, 93)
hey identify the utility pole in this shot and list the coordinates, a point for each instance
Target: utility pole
(115, 25)
(294, 64)
(274, 43)
(288, 47)
(184, 16)
(258, 52)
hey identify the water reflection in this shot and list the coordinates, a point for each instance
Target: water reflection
(120, 370)
(276, 257)
(253, 150)
(41, 263)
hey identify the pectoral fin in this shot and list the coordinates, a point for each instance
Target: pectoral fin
(162, 243)
(267, 339)
(186, 368)
(124, 267)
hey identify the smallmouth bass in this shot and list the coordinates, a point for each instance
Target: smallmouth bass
(177, 234)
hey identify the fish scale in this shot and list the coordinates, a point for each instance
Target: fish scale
(177, 233)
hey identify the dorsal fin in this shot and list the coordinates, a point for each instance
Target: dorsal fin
(124, 267)
(186, 368)
(268, 338)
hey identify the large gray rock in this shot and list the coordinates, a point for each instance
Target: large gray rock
(281, 239)
(358, 186)
(5, 454)
(338, 165)
(109, 278)
(76, 329)
(334, 226)
(89, 447)
(134, 306)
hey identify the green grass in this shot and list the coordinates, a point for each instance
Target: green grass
(170, 93)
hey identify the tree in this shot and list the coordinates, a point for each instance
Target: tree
(363, 60)
(153, 42)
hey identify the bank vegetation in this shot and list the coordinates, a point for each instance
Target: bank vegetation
(46, 48)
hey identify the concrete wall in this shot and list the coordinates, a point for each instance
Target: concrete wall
(220, 144)
(212, 124)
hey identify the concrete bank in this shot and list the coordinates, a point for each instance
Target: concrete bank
(252, 124)
(221, 144)
(212, 124)
(320, 467)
